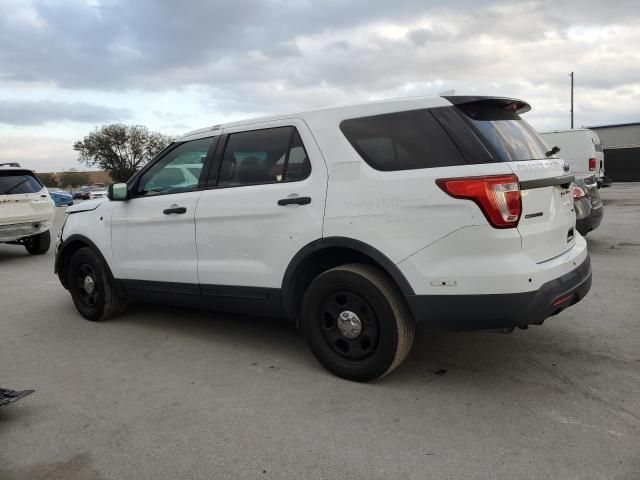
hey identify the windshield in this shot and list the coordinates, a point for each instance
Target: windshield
(12, 183)
(511, 137)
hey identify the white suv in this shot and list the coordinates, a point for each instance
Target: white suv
(357, 222)
(26, 210)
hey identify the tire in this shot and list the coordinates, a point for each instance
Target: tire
(38, 244)
(376, 332)
(91, 288)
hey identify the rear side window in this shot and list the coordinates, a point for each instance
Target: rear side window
(12, 183)
(401, 141)
(509, 137)
(270, 155)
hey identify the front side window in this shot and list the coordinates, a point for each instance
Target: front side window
(402, 141)
(271, 155)
(178, 171)
(15, 182)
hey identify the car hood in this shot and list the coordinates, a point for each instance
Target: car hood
(86, 206)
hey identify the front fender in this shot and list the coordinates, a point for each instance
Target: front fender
(68, 247)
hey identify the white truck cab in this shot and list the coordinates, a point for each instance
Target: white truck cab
(581, 148)
(359, 223)
(26, 209)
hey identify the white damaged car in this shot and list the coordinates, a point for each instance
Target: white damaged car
(26, 210)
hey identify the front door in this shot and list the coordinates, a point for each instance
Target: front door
(153, 233)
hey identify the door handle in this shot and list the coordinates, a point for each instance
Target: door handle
(294, 201)
(175, 209)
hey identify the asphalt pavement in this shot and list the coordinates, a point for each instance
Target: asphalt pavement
(170, 393)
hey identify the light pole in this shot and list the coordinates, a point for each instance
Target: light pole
(571, 75)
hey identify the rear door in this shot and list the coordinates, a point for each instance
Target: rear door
(264, 202)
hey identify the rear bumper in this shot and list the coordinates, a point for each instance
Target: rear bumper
(582, 206)
(475, 312)
(591, 221)
(18, 231)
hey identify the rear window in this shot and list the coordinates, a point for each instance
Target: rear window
(510, 137)
(401, 141)
(12, 183)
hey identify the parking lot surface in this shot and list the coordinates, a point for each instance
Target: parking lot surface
(163, 393)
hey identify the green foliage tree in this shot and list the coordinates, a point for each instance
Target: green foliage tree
(73, 179)
(120, 149)
(49, 179)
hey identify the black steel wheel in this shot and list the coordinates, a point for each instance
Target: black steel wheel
(87, 286)
(349, 325)
(356, 322)
(38, 244)
(91, 288)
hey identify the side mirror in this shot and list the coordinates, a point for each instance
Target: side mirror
(118, 192)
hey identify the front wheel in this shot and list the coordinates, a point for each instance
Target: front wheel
(38, 244)
(91, 288)
(356, 322)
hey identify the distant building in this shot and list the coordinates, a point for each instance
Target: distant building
(621, 144)
(99, 177)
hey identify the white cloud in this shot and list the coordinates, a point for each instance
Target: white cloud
(174, 68)
(37, 152)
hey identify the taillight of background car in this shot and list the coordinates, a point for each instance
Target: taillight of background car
(498, 196)
(592, 164)
(577, 191)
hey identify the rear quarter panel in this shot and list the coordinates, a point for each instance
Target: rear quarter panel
(398, 213)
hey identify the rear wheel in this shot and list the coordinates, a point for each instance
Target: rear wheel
(356, 322)
(91, 288)
(38, 244)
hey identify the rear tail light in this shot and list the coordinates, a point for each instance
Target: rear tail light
(592, 164)
(498, 196)
(577, 191)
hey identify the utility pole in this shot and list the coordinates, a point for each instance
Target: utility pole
(571, 75)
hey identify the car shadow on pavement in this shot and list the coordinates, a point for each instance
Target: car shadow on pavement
(15, 253)
(77, 467)
(247, 332)
(488, 359)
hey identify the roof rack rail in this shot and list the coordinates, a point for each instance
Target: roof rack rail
(10, 164)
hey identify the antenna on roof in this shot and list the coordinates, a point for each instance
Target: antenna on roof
(447, 93)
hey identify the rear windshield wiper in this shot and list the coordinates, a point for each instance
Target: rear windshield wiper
(553, 151)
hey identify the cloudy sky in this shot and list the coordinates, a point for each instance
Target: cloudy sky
(69, 65)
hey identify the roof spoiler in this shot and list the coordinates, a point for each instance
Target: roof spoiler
(508, 103)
